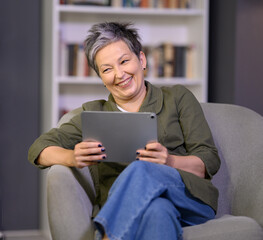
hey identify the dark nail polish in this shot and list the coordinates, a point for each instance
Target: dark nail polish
(103, 149)
(103, 157)
(99, 145)
(137, 159)
(137, 153)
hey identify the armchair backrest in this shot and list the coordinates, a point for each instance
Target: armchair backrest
(66, 117)
(238, 135)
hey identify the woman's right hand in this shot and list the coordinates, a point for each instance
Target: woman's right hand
(84, 154)
(88, 153)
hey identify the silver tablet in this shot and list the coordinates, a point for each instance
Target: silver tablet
(121, 133)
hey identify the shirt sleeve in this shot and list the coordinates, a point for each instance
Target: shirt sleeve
(197, 135)
(66, 136)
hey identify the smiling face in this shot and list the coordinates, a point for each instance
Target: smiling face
(122, 72)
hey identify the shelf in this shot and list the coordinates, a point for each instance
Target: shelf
(159, 81)
(129, 11)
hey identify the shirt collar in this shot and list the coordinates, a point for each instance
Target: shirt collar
(153, 101)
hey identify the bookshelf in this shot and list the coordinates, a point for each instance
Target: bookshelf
(65, 24)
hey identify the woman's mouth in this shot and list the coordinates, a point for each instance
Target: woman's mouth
(125, 83)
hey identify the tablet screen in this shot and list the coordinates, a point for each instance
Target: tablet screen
(121, 133)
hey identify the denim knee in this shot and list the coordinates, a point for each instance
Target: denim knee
(161, 220)
(161, 208)
(140, 165)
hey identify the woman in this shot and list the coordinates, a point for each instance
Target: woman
(169, 186)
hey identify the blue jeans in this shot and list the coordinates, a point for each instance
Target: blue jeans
(150, 201)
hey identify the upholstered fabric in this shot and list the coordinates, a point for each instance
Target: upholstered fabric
(70, 195)
(238, 134)
(68, 116)
(225, 228)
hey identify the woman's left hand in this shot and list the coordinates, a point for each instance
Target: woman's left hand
(157, 153)
(154, 152)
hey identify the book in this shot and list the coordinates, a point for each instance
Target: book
(155, 61)
(131, 3)
(190, 62)
(72, 59)
(169, 60)
(180, 58)
(116, 3)
(144, 3)
(173, 4)
(81, 62)
(63, 59)
(92, 2)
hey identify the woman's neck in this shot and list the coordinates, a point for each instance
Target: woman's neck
(134, 104)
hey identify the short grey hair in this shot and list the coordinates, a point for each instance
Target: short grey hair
(102, 34)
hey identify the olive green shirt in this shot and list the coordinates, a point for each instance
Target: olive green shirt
(182, 129)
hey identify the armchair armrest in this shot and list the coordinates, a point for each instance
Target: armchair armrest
(71, 196)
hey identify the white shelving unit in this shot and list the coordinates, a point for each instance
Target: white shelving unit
(70, 23)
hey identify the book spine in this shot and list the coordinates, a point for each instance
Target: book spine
(70, 59)
(168, 61)
(116, 3)
(63, 61)
(144, 4)
(180, 61)
(81, 61)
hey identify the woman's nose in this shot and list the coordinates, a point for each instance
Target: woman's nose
(119, 72)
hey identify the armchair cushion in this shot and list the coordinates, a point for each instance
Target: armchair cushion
(225, 228)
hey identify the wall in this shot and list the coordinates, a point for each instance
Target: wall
(249, 55)
(221, 51)
(236, 53)
(19, 111)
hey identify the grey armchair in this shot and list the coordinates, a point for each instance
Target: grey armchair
(238, 134)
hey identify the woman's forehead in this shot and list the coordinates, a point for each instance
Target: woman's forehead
(112, 51)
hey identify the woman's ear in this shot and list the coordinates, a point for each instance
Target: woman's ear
(143, 60)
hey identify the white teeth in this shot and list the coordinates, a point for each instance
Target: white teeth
(125, 82)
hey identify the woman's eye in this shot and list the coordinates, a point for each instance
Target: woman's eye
(105, 70)
(124, 61)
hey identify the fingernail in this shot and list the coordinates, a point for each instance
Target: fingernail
(103, 149)
(137, 153)
(137, 159)
(99, 145)
(103, 157)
